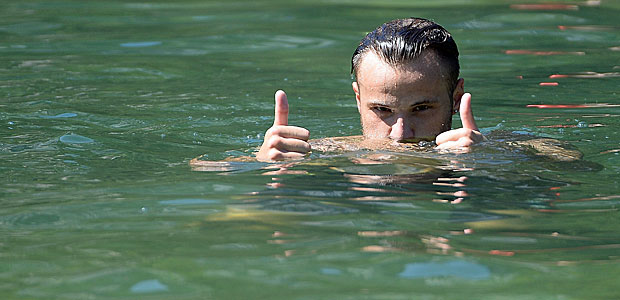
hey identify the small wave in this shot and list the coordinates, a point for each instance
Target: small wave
(149, 286)
(141, 44)
(75, 139)
(456, 268)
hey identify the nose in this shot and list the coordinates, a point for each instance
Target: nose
(401, 130)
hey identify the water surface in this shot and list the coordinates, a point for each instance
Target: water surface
(103, 104)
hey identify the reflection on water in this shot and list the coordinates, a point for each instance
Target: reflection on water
(148, 286)
(469, 199)
(462, 269)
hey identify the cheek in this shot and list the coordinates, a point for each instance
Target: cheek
(429, 123)
(373, 126)
(371, 119)
(441, 121)
(368, 116)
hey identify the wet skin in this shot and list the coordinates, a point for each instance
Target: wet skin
(409, 102)
(406, 103)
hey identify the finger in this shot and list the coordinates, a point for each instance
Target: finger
(453, 146)
(477, 137)
(452, 135)
(457, 134)
(289, 132)
(444, 137)
(281, 117)
(448, 145)
(275, 155)
(292, 145)
(467, 116)
(292, 155)
(288, 145)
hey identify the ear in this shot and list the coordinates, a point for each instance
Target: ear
(459, 90)
(356, 90)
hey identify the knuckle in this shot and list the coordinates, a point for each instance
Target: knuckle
(446, 145)
(306, 133)
(465, 141)
(275, 154)
(275, 141)
(274, 131)
(303, 147)
(297, 155)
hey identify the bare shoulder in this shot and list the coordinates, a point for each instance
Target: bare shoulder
(337, 144)
(227, 164)
(552, 148)
(547, 147)
(358, 142)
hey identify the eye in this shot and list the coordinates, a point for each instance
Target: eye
(382, 109)
(422, 107)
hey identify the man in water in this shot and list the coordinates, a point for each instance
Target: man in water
(406, 87)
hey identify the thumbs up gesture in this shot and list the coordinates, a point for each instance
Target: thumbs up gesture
(281, 140)
(462, 137)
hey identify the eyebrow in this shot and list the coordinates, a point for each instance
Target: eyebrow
(382, 103)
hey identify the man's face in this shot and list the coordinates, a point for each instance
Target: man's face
(409, 102)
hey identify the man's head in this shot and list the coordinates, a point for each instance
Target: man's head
(407, 84)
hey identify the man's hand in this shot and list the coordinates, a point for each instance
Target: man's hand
(462, 137)
(283, 141)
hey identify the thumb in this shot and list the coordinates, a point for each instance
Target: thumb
(467, 116)
(281, 117)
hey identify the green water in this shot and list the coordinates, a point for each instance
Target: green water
(103, 104)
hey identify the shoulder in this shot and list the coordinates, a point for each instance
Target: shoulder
(358, 142)
(549, 148)
(337, 144)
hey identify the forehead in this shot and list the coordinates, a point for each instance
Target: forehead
(423, 73)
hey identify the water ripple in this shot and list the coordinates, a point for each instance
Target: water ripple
(60, 116)
(75, 139)
(148, 286)
(455, 268)
(140, 44)
(187, 201)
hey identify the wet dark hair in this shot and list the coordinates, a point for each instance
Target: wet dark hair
(403, 40)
